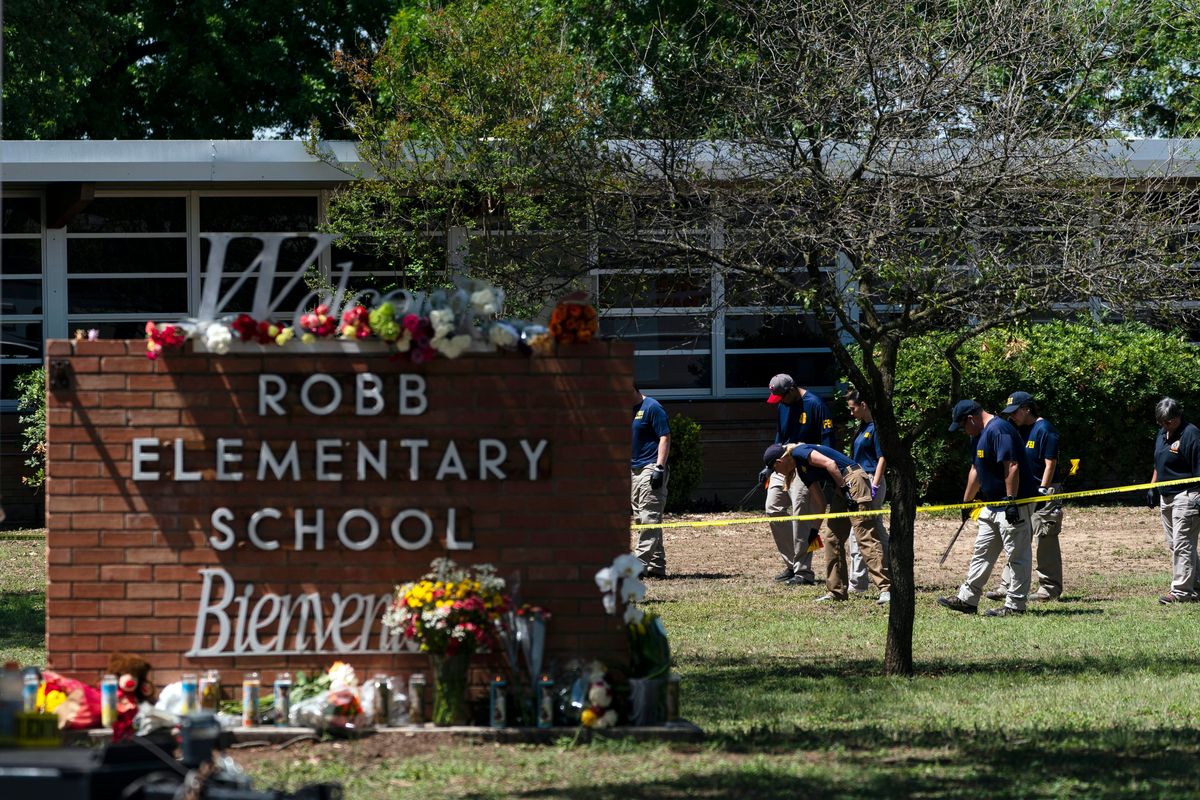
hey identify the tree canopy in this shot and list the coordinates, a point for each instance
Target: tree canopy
(134, 69)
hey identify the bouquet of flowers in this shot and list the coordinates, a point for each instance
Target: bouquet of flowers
(451, 609)
(622, 590)
(574, 320)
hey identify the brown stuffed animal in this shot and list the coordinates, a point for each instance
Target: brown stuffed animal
(133, 676)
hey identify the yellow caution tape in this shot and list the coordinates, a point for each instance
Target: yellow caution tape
(875, 512)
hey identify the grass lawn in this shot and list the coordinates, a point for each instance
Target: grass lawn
(1097, 696)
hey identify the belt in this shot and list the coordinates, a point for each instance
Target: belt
(846, 471)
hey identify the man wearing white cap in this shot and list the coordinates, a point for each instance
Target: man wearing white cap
(802, 419)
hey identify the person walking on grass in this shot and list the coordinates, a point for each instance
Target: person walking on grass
(802, 418)
(648, 479)
(1176, 457)
(1041, 445)
(851, 490)
(1000, 473)
(866, 452)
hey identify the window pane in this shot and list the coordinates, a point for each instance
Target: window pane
(8, 379)
(241, 253)
(752, 290)
(109, 329)
(655, 290)
(132, 215)
(21, 297)
(91, 256)
(127, 296)
(772, 330)
(21, 257)
(753, 371)
(661, 332)
(673, 372)
(21, 215)
(258, 214)
(21, 340)
(243, 299)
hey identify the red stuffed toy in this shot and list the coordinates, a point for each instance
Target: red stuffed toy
(133, 687)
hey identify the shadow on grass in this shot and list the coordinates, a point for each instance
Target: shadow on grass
(22, 619)
(1046, 768)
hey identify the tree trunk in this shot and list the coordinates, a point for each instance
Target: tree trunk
(898, 655)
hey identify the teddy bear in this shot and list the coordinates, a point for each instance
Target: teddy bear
(133, 686)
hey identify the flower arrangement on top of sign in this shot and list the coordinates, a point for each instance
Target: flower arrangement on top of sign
(420, 328)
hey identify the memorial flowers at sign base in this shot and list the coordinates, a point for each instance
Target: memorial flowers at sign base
(649, 648)
(451, 614)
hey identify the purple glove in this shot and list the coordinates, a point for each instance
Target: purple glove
(874, 491)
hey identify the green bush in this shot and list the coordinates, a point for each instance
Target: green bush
(1097, 383)
(32, 400)
(686, 461)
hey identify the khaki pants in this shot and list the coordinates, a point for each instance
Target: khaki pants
(864, 532)
(1047, 554)
(791, 538)
(995, 533)
(1181, 522)
(648, 505)
(858, 565)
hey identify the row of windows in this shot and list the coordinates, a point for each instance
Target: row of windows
(127, 258)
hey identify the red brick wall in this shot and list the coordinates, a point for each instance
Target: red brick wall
(125, 555)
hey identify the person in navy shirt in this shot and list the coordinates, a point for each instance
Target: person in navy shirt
(802, 417)
(1041, 446)
(867, 453)
(1000, 473)
(648, 479)
(851, 490)
(1177, 457)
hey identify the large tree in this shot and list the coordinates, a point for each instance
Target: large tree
(896, 168)
(134, 69)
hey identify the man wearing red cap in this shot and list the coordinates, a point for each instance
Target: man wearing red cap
(803, 418)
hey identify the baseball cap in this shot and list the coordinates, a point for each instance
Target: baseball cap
(779, 386)
(773, 454)
(962, 410)
(1016, 400)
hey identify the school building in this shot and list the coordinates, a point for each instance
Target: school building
(106, 235)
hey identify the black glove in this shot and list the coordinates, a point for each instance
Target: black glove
(966, 514)
(1011, 512)
(851, 503)
(1152, 498)
(765, 475)
(656, 477)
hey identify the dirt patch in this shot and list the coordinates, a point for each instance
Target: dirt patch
(1105, 541)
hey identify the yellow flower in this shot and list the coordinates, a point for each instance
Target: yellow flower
(588, 718)
(53, 700)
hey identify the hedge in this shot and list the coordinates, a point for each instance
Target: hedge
(1097, 383)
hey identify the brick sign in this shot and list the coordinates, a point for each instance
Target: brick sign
(256, 510)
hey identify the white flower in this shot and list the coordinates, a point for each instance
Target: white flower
(628, 566)
(632, 590)
(610, 603)
(608, 720)
(484, 302)
(442, 320)
(341, 676)
(217, 338)
(503, 335)
(605, 579)
(452, 347)
(633, 615)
